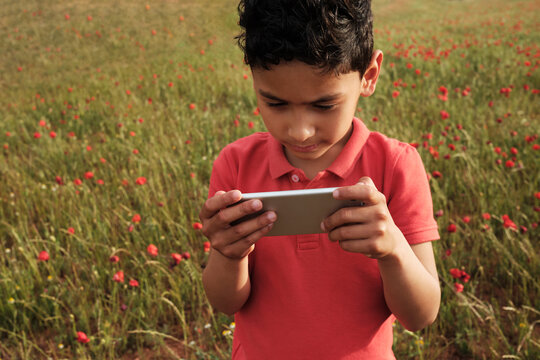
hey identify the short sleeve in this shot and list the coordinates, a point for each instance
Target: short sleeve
(409, 200)
(223, 175)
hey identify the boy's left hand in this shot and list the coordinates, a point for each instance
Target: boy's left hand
(368, 229)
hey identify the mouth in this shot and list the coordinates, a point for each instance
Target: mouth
(303, 149)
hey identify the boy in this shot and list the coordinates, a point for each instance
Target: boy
(333, 295)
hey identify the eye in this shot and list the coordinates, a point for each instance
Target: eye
(276, 104)
(324, 107)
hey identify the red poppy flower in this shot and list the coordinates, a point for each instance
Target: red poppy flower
(88, 175)
(140, 180)
(82, 338)
(507, 223)
(458, 287)
(152, 250)
(114, 259)
(177, 258)
(452, 228)
(206, 246)
(71, 230)
(197, 226)
(119, 277)
(444, 115)
(136, 218)
(133, 283)
(43, 256)
(436, 174)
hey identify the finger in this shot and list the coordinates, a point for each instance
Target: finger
(238, 212)
(244, 246)
(361, 247)
(351, 232)
(219, 201)
(245, 228)
(346, 215)
(364, 191)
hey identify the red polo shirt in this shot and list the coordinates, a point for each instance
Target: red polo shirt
(309, 298)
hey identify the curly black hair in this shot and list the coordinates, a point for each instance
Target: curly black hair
(333, 35)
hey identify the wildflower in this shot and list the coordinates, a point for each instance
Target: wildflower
(186, 255)
(458, 287)
(82, 338)
(136, 218)
(11, 300)
(114, 259)
(197, 226)
(206, 246)
(466, 219)
(43, 256)
(444, 115)
(140, 180)
(486, 216)
(452, 228)
(119, 277)
(251, 124)
(152, 250)
(395, 94)
(176, 258)
(52, 134)
(436, 174)
(77, 182)
(88, 175)
(71, 230)
(192, 106)
(133, 283)
(507, 223)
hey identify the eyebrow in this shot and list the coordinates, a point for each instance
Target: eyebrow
(324, 98)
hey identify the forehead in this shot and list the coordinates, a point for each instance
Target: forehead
(297, 81)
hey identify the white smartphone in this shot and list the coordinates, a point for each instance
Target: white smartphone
(298, 211)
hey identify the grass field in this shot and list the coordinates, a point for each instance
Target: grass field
(111, 115)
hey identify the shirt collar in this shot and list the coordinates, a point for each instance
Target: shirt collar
(342, 165)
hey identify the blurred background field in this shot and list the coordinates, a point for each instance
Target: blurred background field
(111, 115)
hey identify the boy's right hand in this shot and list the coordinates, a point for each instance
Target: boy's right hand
(234, 242)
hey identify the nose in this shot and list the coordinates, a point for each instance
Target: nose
(300, 128)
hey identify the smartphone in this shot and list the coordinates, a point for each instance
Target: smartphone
(298, 211)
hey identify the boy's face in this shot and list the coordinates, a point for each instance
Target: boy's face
(310, 113)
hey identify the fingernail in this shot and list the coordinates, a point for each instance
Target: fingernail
(271, 216)
(256, 205)
(323, 228)
(335, 194)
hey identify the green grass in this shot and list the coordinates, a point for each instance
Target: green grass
(90, 81)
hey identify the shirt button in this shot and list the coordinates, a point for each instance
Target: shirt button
(295, 178)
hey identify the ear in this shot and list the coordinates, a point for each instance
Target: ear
(369, 81)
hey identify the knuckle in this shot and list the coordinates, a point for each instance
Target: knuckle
(221, 216)
(238, 230)
(380, 216)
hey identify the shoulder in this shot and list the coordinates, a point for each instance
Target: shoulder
(390, 151)
(244, 149)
